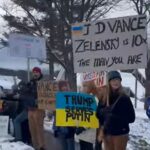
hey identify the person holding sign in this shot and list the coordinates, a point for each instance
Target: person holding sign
(35, 115)
(65, 135)
(115, 111)
(87, 136)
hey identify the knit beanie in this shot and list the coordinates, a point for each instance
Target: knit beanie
(37, 69)
(114, 75)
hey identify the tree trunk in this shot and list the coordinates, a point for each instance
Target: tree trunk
(147, 85)
(51, 69)
(72, 81)
(71, 75)
(147, 73)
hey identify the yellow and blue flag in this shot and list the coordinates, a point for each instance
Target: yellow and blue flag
(77, 30)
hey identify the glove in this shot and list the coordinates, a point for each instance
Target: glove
(79, 130)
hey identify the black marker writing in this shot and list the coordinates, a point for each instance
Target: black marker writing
(116, 60)
(108, 44)
(98, 62)
(79, 100)
(131, 24)
(101, 62)
(125, 42)
(100, 27)
(135, 59)
(77, 113)
(83, 63)
(87, 26)
(138, 40)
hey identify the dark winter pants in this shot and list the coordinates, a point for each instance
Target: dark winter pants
(67, 144)
(85, 145)
(17, 124)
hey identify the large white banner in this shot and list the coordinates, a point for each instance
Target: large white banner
(27, 46)
(110, 44)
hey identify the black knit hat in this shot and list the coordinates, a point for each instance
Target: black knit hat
(114, 75)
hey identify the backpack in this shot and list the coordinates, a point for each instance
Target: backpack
(148, 107)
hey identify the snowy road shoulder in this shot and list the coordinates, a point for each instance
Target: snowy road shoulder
(140, 132)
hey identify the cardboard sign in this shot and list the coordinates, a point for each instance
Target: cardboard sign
(46, 94)
(4, 125)
(27, 46)
(99, 78)
(76, 109)
(110, 44)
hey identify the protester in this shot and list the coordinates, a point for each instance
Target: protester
(25, 101)
(35, 115)
(115, 111)
(87, 136)
(65, 135)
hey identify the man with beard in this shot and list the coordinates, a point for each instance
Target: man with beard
(35, 115)
(30, 111)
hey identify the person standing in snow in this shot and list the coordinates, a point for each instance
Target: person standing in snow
(87, 136)
(65, 135)
(115, 111)
(35, 115)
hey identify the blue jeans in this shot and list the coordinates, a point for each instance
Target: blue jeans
(17, 124)
(67, 144)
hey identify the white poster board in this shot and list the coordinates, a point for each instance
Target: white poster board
(4, 120)
(27, 46)
(110, 44)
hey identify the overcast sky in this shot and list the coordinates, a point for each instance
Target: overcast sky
(6, 61)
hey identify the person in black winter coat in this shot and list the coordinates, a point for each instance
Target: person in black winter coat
(26, 101)
(115, 111)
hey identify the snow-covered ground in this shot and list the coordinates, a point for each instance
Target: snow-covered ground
(5, 144)
(140, 130)
(14, 146)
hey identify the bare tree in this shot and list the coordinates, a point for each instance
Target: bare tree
(52, 19)
(143, 7)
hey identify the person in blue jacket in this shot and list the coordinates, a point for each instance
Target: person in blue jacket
(147, 106)
(115, 111)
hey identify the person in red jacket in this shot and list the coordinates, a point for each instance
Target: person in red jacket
(115, 111)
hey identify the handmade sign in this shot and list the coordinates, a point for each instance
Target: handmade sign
(46, 94)
(110, 44)
(76, 109)
(99, 78)
(22, 45)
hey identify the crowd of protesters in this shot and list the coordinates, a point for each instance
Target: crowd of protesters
(114, 111)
